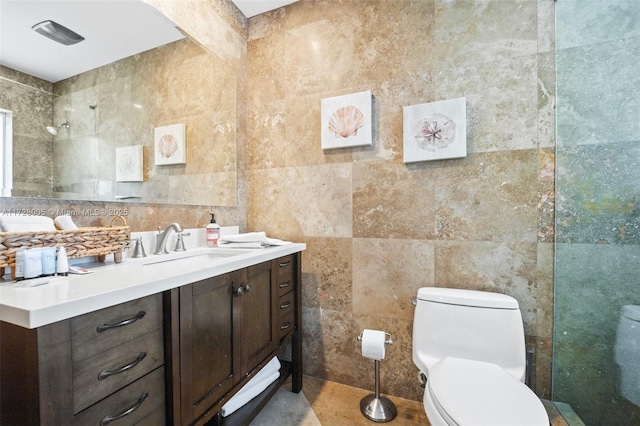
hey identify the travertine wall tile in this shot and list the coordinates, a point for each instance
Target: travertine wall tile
(502, 105)
(328, 270)
(489, 197)
(478, 31)
(387, 274)
(301, 201)
(393, 202)
(472, 223)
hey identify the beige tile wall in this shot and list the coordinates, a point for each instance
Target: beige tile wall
(377, 229)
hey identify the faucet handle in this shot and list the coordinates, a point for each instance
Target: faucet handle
(138, 249)
(180, 241)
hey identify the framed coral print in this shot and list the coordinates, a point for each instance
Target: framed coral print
(129, 164)
(170, 146)
(346, 121)
(435, 130)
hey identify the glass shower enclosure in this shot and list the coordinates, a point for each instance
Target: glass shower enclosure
(596, 367)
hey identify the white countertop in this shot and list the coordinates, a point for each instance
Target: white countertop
(110, 284)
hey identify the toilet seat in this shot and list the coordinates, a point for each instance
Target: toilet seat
(468, 392)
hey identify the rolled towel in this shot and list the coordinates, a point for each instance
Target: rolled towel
(26, 223)
(244, 396)
(64, 222)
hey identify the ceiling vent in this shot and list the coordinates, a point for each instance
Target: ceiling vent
(57, 32)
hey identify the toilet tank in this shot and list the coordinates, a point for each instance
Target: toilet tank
(469, 324)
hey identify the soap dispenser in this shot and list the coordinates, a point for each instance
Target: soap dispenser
(212, 232)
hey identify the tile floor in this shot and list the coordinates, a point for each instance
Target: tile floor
(329, 403)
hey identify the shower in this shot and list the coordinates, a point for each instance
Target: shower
(54, 129)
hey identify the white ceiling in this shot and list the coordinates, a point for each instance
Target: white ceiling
(112, 29)
(255, 7)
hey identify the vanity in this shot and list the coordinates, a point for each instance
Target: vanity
(159, 340)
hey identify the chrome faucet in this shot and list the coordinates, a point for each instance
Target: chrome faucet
(161, 238)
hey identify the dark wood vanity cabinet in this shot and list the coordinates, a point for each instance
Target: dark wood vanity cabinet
(174, 357)
(224, 329)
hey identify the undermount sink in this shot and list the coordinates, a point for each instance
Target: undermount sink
(198, 255)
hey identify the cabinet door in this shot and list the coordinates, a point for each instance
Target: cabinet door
(255, 316)
(207, 365)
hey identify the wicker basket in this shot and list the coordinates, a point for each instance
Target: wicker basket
(81, 242)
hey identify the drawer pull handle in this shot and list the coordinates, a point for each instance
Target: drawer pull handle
(284, 285)
(285, 325)
(106, 373)
(284, 264)
(104, 326)
(108, 419)
(285, 305)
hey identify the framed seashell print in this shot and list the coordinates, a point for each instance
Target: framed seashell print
(170, 146)
(347, 121)
(435, 130)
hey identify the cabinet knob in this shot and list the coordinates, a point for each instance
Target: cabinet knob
(242, 290)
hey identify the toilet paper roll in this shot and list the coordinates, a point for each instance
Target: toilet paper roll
(373, 344)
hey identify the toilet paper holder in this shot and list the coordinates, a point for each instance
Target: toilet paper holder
(376, 407)
(387, 341)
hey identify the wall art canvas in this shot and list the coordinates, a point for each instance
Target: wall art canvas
(170, 144)
(435, 130)
(129, 164)
(347, 121)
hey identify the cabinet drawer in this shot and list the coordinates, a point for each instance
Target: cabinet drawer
(130, 405)
(101, 330)
(285, 274)
(102, 374)
(286, 304)
(286, 324)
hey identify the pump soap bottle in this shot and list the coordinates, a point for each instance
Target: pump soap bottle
(212, 232)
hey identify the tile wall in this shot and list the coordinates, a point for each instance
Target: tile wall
(377, 229)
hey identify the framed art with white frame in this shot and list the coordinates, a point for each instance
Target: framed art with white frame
(347, 121)
(435, 130)
(129, 164)
(170, 144)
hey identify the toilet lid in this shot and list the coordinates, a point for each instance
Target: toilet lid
(631, 311)
(480, 393)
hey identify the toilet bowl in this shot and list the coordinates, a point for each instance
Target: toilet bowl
(627, 353)
(470, 346)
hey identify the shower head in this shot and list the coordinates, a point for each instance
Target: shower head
(54, 129)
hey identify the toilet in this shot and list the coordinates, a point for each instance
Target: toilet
(470, 346)
(627, 352)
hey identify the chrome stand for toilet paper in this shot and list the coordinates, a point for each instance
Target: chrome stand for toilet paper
(376, 407)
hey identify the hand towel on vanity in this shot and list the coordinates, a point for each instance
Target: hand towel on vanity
(250, 240)
(26, 223)
(263, 378)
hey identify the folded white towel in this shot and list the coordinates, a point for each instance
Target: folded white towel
(268, 369)
(250, 240)
(241, 398)
(26, 223)
(64, 222)
(263, 378)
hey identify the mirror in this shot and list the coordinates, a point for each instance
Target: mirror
(105, 117)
